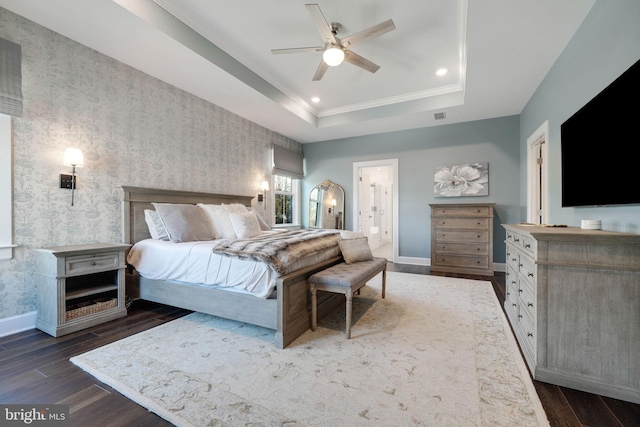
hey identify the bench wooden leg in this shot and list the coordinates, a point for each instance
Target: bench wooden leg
(349, 302)
(384, 281)
(314, 308)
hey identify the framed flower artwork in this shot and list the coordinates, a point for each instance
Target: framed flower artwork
(469, 179)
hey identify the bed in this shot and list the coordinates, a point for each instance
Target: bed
(287, 311)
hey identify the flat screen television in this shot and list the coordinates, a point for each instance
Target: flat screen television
(600, 164)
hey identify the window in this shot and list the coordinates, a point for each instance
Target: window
(286, 200)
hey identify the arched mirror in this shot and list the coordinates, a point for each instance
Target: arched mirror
(326, 206)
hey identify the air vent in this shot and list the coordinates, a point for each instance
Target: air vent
(439, 116)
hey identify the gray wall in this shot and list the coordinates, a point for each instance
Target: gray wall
(133, 130)
(605, 45)
(418, 152)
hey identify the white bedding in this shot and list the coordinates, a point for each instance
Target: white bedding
(194, 262)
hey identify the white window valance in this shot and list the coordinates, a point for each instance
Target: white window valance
(287, 163)
(10, 78)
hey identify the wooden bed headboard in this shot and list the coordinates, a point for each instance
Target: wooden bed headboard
(137, 199)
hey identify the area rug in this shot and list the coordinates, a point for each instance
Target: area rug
(435, 352)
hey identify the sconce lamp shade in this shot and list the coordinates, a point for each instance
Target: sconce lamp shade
(73, 157)
(333, 56)
(264, 186)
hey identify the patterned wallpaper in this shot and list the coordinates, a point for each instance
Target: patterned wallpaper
(133, 130)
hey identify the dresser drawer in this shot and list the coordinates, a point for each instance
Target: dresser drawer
(91, 262)
(461, 211)
(512, 257)
(462, 261)
(527, 299)
(528, 245)
(511, 285)
(468, 223)
(461, 248)
(461, 236)
(527, 331)
(527, 268)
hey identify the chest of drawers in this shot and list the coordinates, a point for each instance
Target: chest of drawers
(462, 238)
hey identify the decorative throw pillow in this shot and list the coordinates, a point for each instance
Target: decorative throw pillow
(245, 224)
(263, 224)
(355, 250)
(155, 225)
(235, 207)
(346, 234)
(218, 217)
(184, 223)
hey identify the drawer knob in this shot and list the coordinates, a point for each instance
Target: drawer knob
(93, 263)
(519, 316)
(530, 274)
(478, 236)
(520, 265)
(529, 334)
(514, 304)
(520, 290)
(526, 245)
(516, 240)
(530, 304)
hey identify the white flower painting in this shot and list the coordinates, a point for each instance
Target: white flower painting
(470, 179)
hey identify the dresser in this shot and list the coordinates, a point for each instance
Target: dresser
(462, 238)
(79, 286)
(573, 300)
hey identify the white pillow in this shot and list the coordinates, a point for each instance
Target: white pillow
(263, 224)
(184, 223)
(155, 225)
(245, 224)
(235, 208)
(218, 217)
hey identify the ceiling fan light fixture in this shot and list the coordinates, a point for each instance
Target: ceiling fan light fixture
(333, 56)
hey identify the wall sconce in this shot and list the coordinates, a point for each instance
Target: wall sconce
(333, 205)
(72, 157)
(264, 187)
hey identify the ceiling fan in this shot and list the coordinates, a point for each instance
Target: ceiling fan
(336, 50)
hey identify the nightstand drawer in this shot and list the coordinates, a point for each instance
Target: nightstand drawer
(468, 223)
(91, 262)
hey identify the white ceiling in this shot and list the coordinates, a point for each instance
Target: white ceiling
(496, 51)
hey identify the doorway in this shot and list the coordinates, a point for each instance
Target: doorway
(537, 173)
(375, 204)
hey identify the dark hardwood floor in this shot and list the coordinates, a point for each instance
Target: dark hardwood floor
(35, 369)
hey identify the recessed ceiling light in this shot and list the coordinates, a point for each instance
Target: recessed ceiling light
(315, 99)
(441, 71)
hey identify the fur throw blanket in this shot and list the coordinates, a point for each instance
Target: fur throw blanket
(279, 250)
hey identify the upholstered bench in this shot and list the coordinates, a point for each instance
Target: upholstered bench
(345, 279)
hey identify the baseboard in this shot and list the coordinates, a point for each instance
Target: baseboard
(413, 260)
(14, 324)
(427, 261)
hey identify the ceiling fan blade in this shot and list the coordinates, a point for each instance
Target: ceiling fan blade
(321, 23)
(322, 68)
(368, 33)
(357, 60)
(297, 50)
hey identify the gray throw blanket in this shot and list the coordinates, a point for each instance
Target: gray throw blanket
(279, 250)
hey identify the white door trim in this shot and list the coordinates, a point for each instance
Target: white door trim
(393, 163)
(534, 188)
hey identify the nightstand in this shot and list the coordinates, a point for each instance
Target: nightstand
(80, 286)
